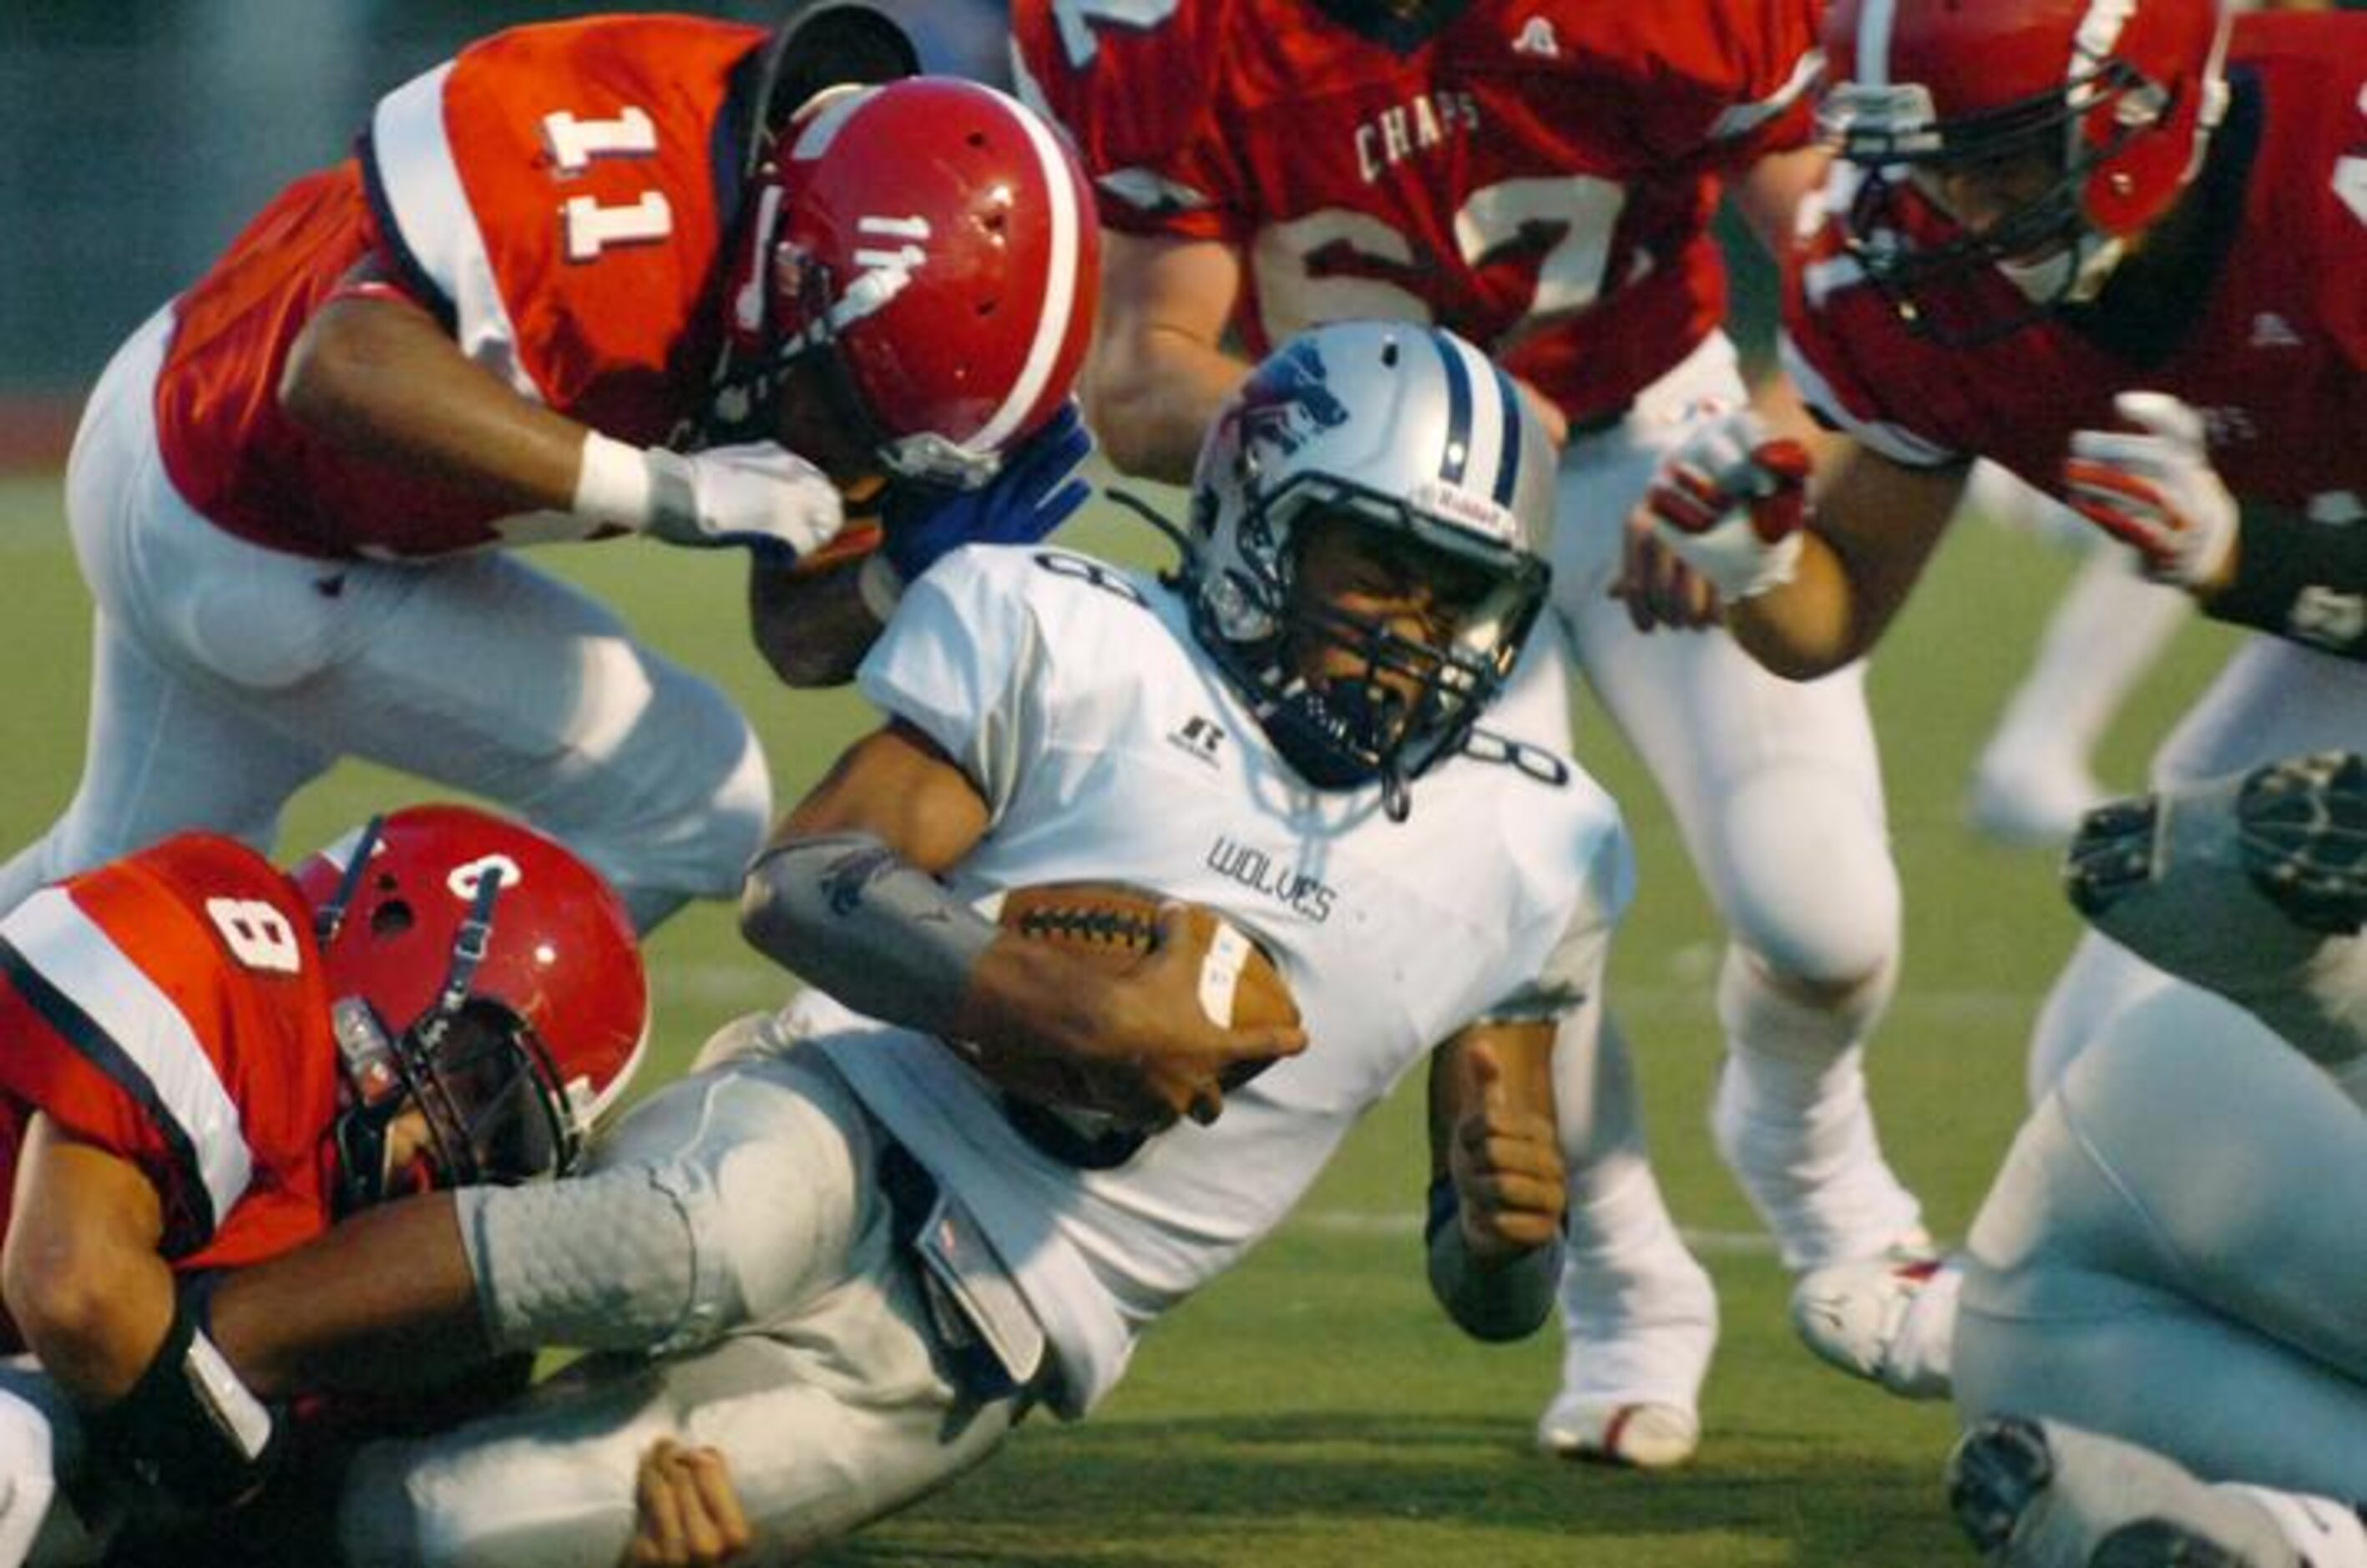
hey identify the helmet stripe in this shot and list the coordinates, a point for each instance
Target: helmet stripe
(1059, 293)
(1457, 454)
(1507, 465)
(1875, 22)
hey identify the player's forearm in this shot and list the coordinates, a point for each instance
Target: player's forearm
(379, 378)
(1153, 397)
(384, 1299)
(1809, 627)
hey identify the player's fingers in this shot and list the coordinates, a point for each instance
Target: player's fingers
(2142, 537)
(658, 1515)
(2104, 481)
(720, 1531)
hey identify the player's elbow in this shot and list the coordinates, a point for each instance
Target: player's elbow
(768, 918)
(76, 1309)
(327, 364)
(1124, 418)
(1130, 400)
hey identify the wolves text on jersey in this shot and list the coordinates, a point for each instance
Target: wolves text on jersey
(1308, 897)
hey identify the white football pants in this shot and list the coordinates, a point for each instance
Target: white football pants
(1777, 790)
(226, 677)
(822, 1380)
(2173, 1254)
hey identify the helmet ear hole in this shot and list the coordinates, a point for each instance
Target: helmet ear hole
(392, 918)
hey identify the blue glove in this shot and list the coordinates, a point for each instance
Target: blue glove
(1037, 488)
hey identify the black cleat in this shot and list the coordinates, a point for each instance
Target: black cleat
(2303, 827)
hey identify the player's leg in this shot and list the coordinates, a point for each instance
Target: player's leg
(1639, 1315)
(2035, 1494)
(2253, 886)
(1777, 790)
(2171, 1255)
(803, 1343)
(195, 633)
(2274, 700)
(487, 674)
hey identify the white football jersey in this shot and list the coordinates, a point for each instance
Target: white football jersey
(1109, 747)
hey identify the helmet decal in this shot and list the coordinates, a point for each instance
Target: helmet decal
(1286, 403)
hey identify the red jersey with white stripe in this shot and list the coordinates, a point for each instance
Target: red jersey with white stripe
(1537, 175)
(170, 1008)
(2271, 349)
(557, 195)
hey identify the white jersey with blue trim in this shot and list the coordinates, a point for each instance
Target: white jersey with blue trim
(1109, 748)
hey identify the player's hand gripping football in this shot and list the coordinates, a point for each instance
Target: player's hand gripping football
(1506, 1160)
(1136, 1041)
(2154, 489)
(1728, 504)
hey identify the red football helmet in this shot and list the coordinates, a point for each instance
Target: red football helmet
(2118, 96)
(932, 245)
(482, 973)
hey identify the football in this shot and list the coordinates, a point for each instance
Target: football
(1239, 982)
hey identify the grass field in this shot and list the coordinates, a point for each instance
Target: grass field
(1314, 1408)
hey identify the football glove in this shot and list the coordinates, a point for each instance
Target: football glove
(1731, 501)
(1036, 489)
(2154, 489)
(759, 495)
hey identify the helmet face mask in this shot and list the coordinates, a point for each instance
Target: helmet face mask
(482, 977)
(1409, 449)
(2111, 102)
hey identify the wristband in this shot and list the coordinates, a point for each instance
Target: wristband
(614, 482)
(190, 1427)
(1494, 1303)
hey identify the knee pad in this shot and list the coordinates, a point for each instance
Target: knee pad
(1804, 873)
(722, 1203)
(1777, 1015)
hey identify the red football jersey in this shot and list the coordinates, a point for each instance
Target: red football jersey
(170, 1007)
(2275, 357)
(556, 194)
(1538, 175)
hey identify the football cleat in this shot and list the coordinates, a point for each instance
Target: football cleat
(2233, 884)
(1889, 1321)
(1639, 1335)
(2302, 826)
(2046, 1494)
(1637, 1436)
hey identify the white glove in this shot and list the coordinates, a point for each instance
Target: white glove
(2155, 489)
(1730, 501)
(760, 495)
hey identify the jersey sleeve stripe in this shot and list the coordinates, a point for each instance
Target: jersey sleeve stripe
(408, 158)
(109, 1011)
(1896, 442)
(1741, 119)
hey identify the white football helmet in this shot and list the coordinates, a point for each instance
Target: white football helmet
(1400, 427)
